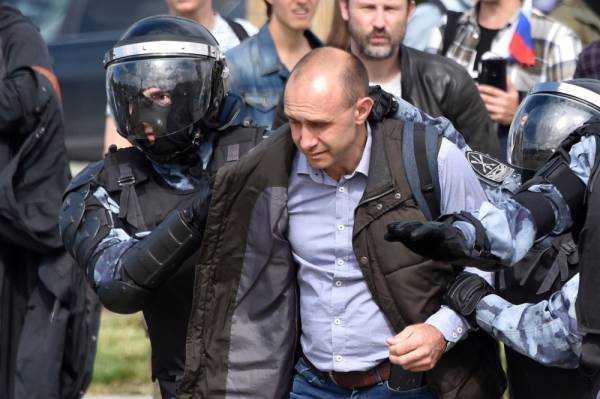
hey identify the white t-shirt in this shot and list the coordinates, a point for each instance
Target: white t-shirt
(226, 36)
(392, 86)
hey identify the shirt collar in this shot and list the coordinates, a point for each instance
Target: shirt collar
(269, 61)
(304, 167)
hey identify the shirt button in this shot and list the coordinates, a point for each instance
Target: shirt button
(337, 322)
(397, 196)
(341, 189)
(454, 335)
(338, 283)
(364, 260)
(378, 206)
(338, 358)
(340, 262)
(341, 227)
(459, 330)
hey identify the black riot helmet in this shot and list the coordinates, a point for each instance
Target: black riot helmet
(166, 80)
(550, 112)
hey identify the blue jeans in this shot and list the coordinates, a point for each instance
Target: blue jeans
(309, 385)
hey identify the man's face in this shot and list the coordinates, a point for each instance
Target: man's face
(377, 27)
(184, 7)
(323, 124)
(294, 14)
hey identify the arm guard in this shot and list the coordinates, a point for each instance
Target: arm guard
(155, 258)
(149, 263)
(557, 173)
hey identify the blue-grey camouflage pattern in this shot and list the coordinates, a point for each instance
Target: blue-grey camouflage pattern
(510, 227)
(110, 250)
(178, 176)
(407, 111)
(545, 331)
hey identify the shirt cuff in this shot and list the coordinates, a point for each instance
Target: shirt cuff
(452, 326)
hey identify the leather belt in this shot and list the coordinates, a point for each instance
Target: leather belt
(355, 379)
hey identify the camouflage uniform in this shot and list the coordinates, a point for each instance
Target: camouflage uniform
(545, 331)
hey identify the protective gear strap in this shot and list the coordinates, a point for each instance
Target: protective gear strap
(154, 259)
(465, 293)
(541, 210)
(415, 150)
(558, 173)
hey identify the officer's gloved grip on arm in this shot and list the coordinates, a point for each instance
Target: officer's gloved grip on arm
(465, 293)
(435, 240)
(441, 240)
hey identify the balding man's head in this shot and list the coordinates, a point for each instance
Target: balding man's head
(327, 68)
(327, 104)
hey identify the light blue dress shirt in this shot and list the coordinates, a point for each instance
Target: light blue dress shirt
(343, 329)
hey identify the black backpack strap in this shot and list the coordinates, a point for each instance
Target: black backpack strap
(450, 30)
(419, 154)
(238, 29)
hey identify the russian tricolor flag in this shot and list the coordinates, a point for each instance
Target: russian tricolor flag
(521, 44)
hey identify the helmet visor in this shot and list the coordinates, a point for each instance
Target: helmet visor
(542, 122)
(154, 99)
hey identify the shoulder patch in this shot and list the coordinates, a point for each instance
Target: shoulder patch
(488, 168)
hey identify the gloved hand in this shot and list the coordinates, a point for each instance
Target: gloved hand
(435, 240)
(384, 104)
(464, 294)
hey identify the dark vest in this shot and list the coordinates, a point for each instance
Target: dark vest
(407, 287)
(144, 201)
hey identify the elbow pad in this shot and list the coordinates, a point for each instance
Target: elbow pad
(157, 256)
(558, 173)
(122, 296)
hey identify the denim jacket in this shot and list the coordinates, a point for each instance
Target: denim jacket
(258, 76)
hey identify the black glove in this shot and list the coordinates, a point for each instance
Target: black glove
(435, 240)
(464, 294)
(384, 104)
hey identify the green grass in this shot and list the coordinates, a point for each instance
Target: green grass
(123, 357)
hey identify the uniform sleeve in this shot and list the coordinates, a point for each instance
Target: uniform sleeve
(510, 226)
(460, 190)
(106, 257)
(544, 331)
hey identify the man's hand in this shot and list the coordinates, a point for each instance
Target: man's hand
(435, 240)
(465, 293)
(501, 105)
(417, 348)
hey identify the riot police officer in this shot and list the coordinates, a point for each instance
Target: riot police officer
(134, 221)
(564, 330)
